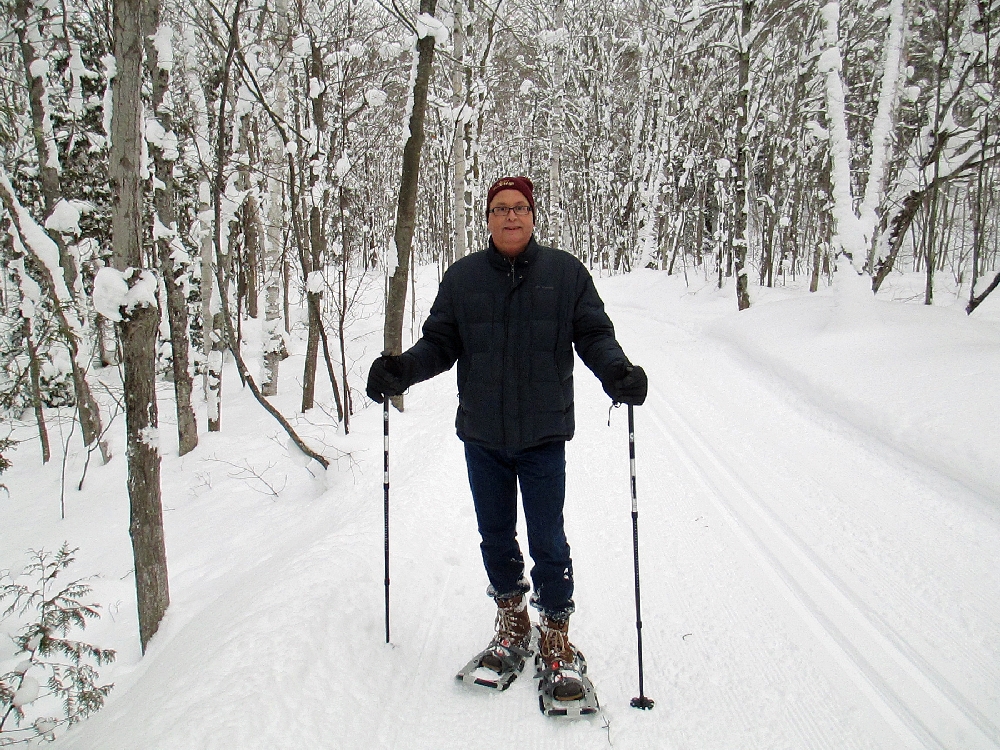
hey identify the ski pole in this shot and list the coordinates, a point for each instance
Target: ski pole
(385, 487)
(641, 701)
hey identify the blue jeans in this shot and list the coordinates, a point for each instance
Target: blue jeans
(494, 474)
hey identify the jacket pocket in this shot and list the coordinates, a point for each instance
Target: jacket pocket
(477, 389)
(545, 387)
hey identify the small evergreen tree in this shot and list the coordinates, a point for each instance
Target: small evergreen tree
(55, 668)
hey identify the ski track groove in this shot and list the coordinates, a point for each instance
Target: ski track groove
(692, 676)
(720, 696)
(906, 593)
(746, 712)
(911, 602)
(924, 672)
(871, 641)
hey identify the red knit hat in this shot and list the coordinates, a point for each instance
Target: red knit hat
(521, 184)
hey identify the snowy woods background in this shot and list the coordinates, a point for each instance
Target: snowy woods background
(750, 144)
(711, 140)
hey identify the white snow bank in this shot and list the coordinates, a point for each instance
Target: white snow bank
(919, 378)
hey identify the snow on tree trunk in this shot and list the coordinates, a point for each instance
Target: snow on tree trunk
(882, 129)
(314, 293)
(225, 203)
(63, 267)
(317, 197)
(31, 296)
(557, 126)
(138, 325)
(740, 229)
(212, 385)
(31, 27)
(173, 258)
(477, 89)
(645, 146)
(272, 340)
(847, 236)
(35, 241)
(460, 112)
(943, 151)
(653, 147)
(37, 68)
(202, 230)
(406, 206)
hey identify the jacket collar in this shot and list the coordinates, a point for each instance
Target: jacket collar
(522, 260)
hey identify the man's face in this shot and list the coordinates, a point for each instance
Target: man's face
(511, 232)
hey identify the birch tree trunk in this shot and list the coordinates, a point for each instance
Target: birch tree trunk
(51, 185)
(211, 383)
(947, 153)
(169, 250)
(138, 328)
(853, 234)
(460, 108)
(884, 125)
(273, 342)
(317, 243)
(846, 234)
(216, 338)
(477, 90)
(557, 218)
(406, 206)
(740, 230)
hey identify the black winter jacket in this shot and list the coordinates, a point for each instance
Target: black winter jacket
(512, 326)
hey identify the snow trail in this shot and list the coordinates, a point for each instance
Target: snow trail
(808, 580)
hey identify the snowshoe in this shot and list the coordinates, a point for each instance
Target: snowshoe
(564, 690)
(496, 666)
(502, 661)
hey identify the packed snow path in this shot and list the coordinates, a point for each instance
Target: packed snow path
(804, 583)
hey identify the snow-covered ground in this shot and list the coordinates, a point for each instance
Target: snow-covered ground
(819, 521)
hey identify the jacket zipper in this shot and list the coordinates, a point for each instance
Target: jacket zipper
(506, 337)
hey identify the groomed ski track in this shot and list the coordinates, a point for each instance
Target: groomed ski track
(804, 586)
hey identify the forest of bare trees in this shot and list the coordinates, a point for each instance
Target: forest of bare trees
(284, 157)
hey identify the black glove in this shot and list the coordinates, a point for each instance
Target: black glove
(389, 376)
(625, 383)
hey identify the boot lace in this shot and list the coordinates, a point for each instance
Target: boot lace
(508, 626)
(556, 646)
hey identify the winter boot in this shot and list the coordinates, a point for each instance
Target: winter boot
(559, 662)
(513, 632)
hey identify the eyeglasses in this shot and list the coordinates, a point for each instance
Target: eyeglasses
(504, 210)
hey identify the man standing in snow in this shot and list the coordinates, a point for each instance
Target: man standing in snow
(511, 316)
